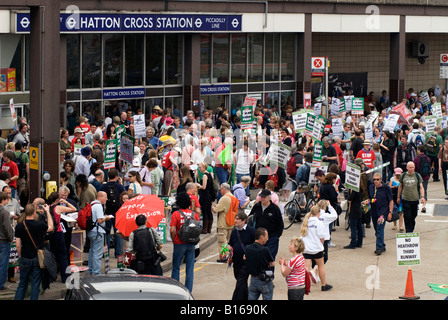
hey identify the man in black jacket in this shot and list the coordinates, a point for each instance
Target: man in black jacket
(241, 236)
(405, 153)
(268, 215)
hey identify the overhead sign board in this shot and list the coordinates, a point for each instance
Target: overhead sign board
(141, 22)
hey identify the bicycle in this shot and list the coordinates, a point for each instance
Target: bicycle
(294, 212)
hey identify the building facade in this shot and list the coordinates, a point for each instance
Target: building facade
(188, 54)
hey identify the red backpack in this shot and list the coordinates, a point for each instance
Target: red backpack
(291, 168)
(85, 221)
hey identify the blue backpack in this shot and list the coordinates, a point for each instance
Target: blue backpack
(418, 141)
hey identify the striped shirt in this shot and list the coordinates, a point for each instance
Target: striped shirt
(297, 275)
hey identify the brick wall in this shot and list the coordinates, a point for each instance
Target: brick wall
(370, 53)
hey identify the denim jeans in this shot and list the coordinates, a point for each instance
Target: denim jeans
(379, 232)
(96, 252)
(5, 249)
(118, 242)
(29, 267)
(223, 177)
(180, 251)
(258, 287)
(356, 232)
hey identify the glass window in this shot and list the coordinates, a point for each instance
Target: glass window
(73, 114)
(173, 62)
(255, 53)
(287, 98)
(91, 60)
(220, 58)
(236, 102)
(239, 55)
(73, 66)
(272, 55)
(206, 53)
(10, 63)
(134, 59)
(175, 104)
(27, 62)
(271, 99)
(113, 45)
(288, 56)
(154, 59)
(92, 111)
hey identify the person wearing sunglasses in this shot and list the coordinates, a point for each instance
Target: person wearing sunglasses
(382, 205)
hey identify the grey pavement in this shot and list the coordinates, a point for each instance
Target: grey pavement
(356, 274)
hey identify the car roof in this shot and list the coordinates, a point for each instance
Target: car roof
(133, 287)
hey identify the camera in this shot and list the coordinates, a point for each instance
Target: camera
(266, 275)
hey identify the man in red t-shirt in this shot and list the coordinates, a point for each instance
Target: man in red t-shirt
(367, 155)
(10, 166)
(192, 189)
(337, 146)
(182, 249)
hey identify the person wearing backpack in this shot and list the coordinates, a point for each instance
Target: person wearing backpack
(96, 235)
(433, 144)
(303, 172)
(226, 205)
(423, 167)
(113, 189)
(145, 242)
(410, 191)
(182, 249)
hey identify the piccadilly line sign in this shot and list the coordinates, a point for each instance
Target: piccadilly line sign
(129, 22)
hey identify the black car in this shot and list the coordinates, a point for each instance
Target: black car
(126, 286)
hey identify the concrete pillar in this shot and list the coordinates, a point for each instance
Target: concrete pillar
(397, 71)
(192, 70)
(44, 92)
(304, 54)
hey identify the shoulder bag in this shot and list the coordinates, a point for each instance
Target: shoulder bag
(40, 252)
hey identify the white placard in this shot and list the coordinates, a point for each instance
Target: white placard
(391, 122)
(352, 176)
(139, 126)
(408, 249)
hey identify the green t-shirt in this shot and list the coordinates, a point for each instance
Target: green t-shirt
(411, 186)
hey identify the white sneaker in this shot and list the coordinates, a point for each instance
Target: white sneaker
(314, 277)
(331, 245)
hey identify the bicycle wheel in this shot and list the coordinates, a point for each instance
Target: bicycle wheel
(250, 221)
(292, 210)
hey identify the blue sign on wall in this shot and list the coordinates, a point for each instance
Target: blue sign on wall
(123, 93)
(105, 22)
(215, 89)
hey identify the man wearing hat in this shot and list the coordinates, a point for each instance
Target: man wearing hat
(79, 134)
(82, 162)
(268, 215)
(367, 155)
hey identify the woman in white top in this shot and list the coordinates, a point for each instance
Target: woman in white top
(313, 235)
(327, 215)
(135, 182)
